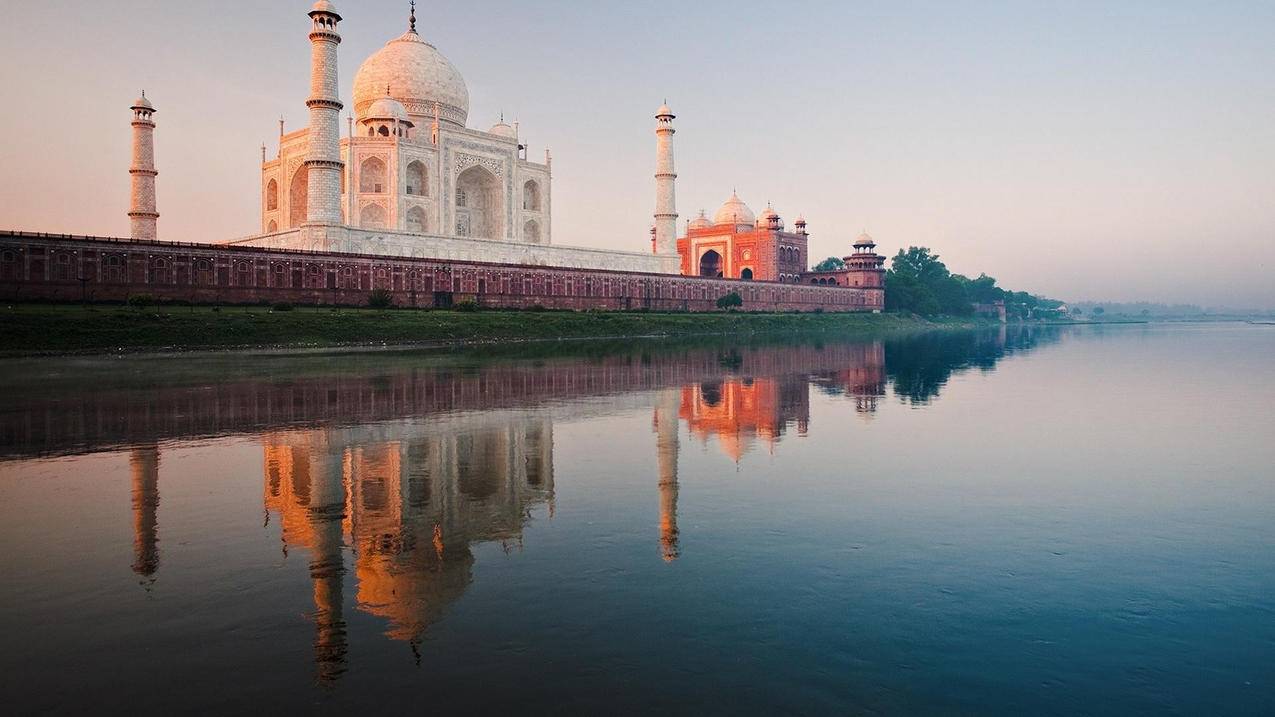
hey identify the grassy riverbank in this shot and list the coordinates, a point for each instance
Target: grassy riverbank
(27, 329)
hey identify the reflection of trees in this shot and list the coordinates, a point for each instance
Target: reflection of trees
(920, 365)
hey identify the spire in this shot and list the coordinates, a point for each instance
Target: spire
(412, 21)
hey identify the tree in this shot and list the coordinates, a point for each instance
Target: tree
(1098, 311)
(380, 299)
(832, 263)
(731, 301)
(918, 263)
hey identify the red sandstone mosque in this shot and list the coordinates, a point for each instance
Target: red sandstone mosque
(415, 202)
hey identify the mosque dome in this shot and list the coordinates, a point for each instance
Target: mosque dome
(418, 76)
(387, 108)
(770, 218)
(700, 222)
(734, 211)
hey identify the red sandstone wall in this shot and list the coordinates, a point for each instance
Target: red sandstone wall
(69, 268)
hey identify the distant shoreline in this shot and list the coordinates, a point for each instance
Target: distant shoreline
(67, 330)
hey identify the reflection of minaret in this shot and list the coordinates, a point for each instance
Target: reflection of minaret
(144, 462)
(327, 567)
(666, 448)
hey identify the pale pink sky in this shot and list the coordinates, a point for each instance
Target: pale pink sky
(1097, 150)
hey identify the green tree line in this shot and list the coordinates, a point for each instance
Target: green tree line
(919, 282)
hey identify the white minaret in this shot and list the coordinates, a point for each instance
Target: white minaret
(141, 213)
(665, 194)
(323, 159)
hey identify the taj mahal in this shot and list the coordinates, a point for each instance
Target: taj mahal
(404, 196)
(410, 177)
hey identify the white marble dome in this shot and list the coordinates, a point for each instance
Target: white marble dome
(503, 130)
(700, 222)
(418, 76)
(734, 211)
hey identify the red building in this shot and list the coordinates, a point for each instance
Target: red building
(736, 244)
(864, 269)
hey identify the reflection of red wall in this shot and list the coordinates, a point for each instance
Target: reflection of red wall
(36, 266)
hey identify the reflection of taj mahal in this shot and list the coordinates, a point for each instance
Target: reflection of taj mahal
(401, 504)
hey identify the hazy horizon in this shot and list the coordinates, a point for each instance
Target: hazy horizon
(1092, 152)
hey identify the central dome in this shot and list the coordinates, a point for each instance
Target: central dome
(417, 75)
(734, 211)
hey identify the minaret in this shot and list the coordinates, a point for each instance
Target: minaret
(666, 445)
(323, 160)
(142, 215)
(665, 195)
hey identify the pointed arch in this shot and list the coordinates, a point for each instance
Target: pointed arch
(531, 196)
(372, 176)
(417, 179)
(416, 220)
(372, 217)
(298, 197)
(272, 195)
(480, 209)
(531, 232)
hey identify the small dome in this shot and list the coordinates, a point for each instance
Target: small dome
(734, 211)
(141, 103)
(664, 111)
(501, 129)
(864, 240)
(388, 108)
(701, 222)
(324, 6)
(770, 218)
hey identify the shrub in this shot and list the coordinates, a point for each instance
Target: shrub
(536, 307)
(282, 306)
(141, 301)
(731, 301)
(380, 299)
(466, 305)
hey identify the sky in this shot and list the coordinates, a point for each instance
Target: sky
(1109, 151)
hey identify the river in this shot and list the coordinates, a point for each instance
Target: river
(1048, 520)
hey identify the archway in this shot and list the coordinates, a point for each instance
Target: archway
(531, 196)
(416, 220)
(298, 197)
(746, 274)
(372, 217)
(272, 227)
(372, 176)
(416, 177)
(531, 232)
(272, 196)
(710, 264)
(479, 209)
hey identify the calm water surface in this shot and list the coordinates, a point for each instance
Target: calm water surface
(1049, 521)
